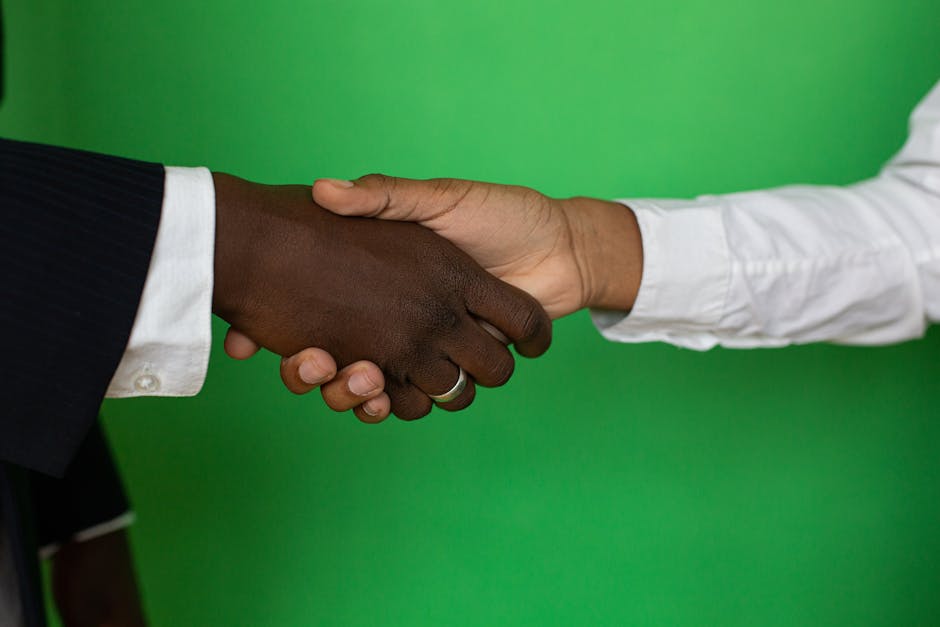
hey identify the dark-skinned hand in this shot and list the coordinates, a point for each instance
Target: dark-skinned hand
(289, 274)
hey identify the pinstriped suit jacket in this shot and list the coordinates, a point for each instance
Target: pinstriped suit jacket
(76, 233)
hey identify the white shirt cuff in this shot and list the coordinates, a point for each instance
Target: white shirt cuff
(686, 269)
(168, 350)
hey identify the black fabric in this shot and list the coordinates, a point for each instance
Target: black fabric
(89, 494)
(37, 510)
(16, 513)
(76, 233)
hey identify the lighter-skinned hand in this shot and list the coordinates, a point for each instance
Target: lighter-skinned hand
(568, 253)
(358, 387)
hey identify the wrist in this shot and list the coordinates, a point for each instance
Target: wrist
(608, 250)
(231, 260)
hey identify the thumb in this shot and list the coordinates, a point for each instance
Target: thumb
(391, 198)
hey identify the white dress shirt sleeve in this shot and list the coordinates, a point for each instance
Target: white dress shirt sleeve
(854, 265)
(168, 350)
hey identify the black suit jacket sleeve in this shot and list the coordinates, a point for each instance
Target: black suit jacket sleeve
(76, 235)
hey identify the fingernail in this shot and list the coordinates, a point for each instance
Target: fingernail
(371, 407)
(339, 183)
(361, 385)
(310, 374)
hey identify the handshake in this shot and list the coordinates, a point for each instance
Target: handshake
(393, 295)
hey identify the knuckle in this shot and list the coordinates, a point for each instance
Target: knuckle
(532, 198)
(452, 192)
(440, 317)
(385, 185)
(375, 178)
(500, 370)
(530, 321)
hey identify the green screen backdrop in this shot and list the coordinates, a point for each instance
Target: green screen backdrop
(605, 484)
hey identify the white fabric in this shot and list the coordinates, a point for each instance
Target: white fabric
(854, 265)
(168, 350)
(95, 531)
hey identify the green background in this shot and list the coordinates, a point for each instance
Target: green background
(606, 484)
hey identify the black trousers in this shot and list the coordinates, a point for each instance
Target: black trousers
(37, 510)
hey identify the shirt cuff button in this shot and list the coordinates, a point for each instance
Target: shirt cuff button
(147, 383)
